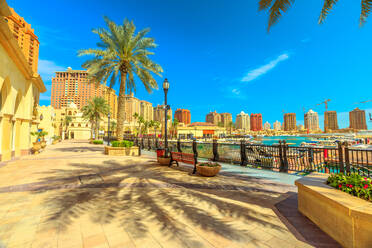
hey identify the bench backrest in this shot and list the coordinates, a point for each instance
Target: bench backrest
(187, 158)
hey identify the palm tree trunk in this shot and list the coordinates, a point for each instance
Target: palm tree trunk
(121, 107)
(97, 127)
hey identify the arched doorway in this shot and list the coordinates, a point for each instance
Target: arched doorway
(72, 135)
(5, 120)
(16, 125)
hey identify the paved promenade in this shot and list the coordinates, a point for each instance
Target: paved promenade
(72, 195)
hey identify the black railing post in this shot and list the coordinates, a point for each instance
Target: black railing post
(347, 160)
(243, 154)
(195, 151)
(340, 157)
(281, 162)
(179, 145)
(216, 157)
(142, 143)
(284, 160)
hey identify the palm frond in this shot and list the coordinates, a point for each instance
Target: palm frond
(366, 10)
(327, 7)
(265, 4)
(276, 11)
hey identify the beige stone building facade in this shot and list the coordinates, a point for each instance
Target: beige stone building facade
(311, 120)
(213, 117)
(201, 130)
(19, 94)
(242, 121)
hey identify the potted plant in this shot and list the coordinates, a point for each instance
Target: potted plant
(42, 136)
(208, 169)
(55, 139)
(36, 145)
(164, 160)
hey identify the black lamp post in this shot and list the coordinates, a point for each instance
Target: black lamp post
(166, 107)
(108, 129)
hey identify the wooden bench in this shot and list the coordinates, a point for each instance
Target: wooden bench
(187, 158)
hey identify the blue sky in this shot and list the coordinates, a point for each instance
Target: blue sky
(218, 55)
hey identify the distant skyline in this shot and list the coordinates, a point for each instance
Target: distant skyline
(218, 55)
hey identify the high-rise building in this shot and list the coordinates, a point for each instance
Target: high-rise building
(146, 110)
(226, 119)
(290, 122)
(213, 117)
(256, 122)
(183, 115)
(112, 100)
(267, 126)
(159, 115)
(311, 121)
(330, 121)
(357, 119)
(73, 86)
(26, 38)
(242, 121)
(277, 126)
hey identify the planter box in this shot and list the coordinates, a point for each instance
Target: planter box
(208, 171)
(164, 161)
(346, 218)
(122, 151)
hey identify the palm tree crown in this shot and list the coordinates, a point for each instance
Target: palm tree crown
(94, 110)
(122, 56)
(278, 7)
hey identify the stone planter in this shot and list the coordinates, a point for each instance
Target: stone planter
(54, 142)
(208, 171)
(346, 218)
(43, 144)
(164, 161)
(122, 151)
(36, 146)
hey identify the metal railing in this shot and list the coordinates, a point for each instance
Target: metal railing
(279, 157)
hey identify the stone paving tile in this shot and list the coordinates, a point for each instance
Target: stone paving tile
(136, 204)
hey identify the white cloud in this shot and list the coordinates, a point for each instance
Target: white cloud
(47, 68)
(236, 91)
(255, 73)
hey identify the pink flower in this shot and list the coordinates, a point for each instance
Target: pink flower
(340, 186)
(366, 186)
(365, 179)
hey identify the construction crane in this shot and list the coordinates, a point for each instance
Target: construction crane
(325, 103)
(370, 115)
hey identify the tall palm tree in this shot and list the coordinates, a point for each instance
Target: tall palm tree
(175, 123)
(277, 7)
(66, 121)
(141, 121)
(156, 126)
(122, 56)
(113, 126)
(94, 110)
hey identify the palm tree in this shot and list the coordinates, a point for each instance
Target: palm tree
(231, 125)
(141, 121)
(66, 121)
(122, 56)
(277, 7)
(175, 123)
(94, 110)
(156, 126)
(112, 126)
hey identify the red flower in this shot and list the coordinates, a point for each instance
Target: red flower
(347, 185)
(340, 186)
(350, 186)
(366, 186)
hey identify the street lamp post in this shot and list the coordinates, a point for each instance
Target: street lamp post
(166, 107)
(108, 129)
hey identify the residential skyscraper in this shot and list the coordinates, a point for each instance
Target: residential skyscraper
(73, 86)
(277, 126)
(290, 122)
(256, 122)
(330, 121)
(267, 126)
(311, 121)
(146, 110)
(243, 121)
(226, 119)
(159, 115)
(25, 37)
(357, 119)
(183, 115)
(213, 117)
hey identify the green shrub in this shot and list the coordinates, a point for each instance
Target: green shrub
(210, 164)
(123, 143)
(353, 184)
(98, 142)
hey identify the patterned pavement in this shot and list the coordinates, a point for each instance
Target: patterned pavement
(72, 195)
